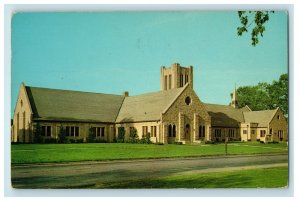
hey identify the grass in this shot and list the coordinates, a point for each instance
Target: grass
(55, 153)
(254, 178)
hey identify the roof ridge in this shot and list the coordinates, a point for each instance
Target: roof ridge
(180, 92)
(69, 90)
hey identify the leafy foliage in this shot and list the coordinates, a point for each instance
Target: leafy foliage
(265, 96)
(247, 18)
(38, 133)
(121, 135)
(133, 136)
(146, 139)
(92, 135)
(278, 92)
(62, 135)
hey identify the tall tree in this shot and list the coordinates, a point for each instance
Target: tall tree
(256, 97)
(278, 92)
(254, 20)
(264, 96)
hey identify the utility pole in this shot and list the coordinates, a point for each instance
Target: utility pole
(226, 140)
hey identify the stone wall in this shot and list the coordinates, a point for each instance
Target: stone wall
(181, 114)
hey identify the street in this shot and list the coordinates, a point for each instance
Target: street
(94, 174)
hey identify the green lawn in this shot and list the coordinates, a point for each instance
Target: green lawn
(254, 178)
(47, 153)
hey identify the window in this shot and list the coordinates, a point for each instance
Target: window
(46, 131)
(201, 131)
(174, 131)
(99, 131)
(170, 81)
(278, 116)
(245, 132)
(145, 130)
(271, 131)
(262, 133)
(170, 131)
(181, 80)
(153, 131)
(166, 82)
(218, 132)
(253, 132)
(72, 131)
(186, 79)
(188, 100)
(21, 103)
(280, 134)
(231, 133)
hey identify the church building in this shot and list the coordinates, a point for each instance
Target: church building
(173, 114)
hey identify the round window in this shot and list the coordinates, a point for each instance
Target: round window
(188, 100)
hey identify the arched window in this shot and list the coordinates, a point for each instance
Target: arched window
(170, 130)
(200, 131)
(174, 131)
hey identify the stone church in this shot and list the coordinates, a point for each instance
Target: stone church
(173, 114)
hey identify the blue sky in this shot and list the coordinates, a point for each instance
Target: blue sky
(112, 52)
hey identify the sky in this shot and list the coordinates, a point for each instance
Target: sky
(113, 52)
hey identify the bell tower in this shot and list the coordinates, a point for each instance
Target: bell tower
(175, 76)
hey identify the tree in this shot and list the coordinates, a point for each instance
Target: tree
(38, 133)
(259, 18)
(133, 136)
(256, 97)
(121, 134)
(278, 92)
(92, 135)
(62, 135)
(264, 96)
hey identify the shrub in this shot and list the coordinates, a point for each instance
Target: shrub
(38, 133)
(133, 136)
(50, 140)
(91, 136)
(159, 143)
(145, 139)
(62, 135)
(179, 143)
(100, 141)
(121, 135)
(209, 142)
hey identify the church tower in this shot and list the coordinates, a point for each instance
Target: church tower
(234, 98)
(175, 76)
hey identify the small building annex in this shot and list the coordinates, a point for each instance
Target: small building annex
(175, 113)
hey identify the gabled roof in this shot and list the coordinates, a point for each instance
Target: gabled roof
(56, 104)
(224, 115)
(147, 107)
(262, 117)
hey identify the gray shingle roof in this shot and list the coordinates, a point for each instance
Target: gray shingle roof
(55, 104)
(224, 115)
(147, 107)
(262, 117)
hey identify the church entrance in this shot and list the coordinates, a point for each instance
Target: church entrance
(187, 132)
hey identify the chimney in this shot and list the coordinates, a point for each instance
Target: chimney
(126, 93)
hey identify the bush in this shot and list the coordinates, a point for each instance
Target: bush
(121, 135)
(145, 139)
(74, 140)
(91, 136)
(100, 141)
(50, 140)
(209, 142)
(159, 143)
(179, 143)
(38, 133)
(62, 135)
(133, 136)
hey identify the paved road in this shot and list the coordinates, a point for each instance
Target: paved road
(96, 174)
